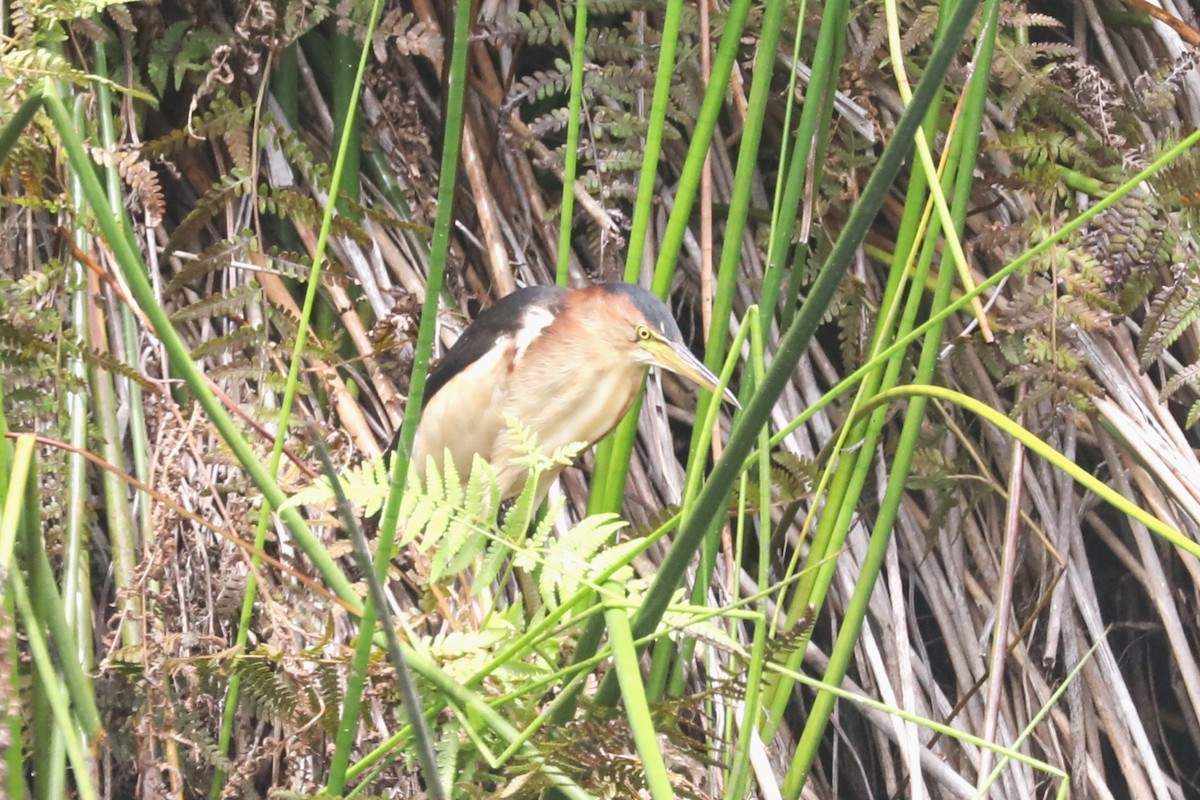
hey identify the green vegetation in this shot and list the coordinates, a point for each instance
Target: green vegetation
(944, 252)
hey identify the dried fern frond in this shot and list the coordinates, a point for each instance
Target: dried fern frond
(1175, 307)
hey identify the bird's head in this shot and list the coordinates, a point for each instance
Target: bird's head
(641, 328)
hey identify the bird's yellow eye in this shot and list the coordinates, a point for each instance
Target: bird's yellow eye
(644, 334)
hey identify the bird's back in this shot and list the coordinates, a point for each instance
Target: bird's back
(507, 317)
(463, 410)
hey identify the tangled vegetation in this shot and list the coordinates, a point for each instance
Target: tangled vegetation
(944, 252)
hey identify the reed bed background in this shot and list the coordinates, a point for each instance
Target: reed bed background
(943, 252)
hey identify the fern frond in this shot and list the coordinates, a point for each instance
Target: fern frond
(1188, 376)
(1040, 146)
(247, 371)
(239, 144)
(792, 479)
(366, 486)
(231, 302)
(541, 84)
(237, 341)
(610, 186)
(282, 690)
(384, 217)
(33, 65)
(297, 266)
(297, 153)
(570, 560)
(550, 122)
(1018, 17)
(1193, 415)
(217, 256)
(464, 653)
(920, 29)
(854, 319)
(459, 544)
(696, 622)
(1128, 240)
(288, 203)
(110, 363)
(120, 15)
(542, 25)
(223, 115)
(608, 44)
(232, 185)
(1173, 310)
(410, 37)
(447, 749)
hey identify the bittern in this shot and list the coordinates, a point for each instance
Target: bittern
(566, 363)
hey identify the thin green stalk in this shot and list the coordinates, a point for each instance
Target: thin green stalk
(1079, 182)
(776, 259)
(541, 628)
(693, 166)
(953, 242)
(852, 471)
(662, 658)
(473, 709)
(378, 604)
(583, 667)
(539, 722)
(44, 669)
(138, 444)
(52, 615)
(706, 425)
(356, 684)
(1040, 448)
(48, 744)
(571, 161)
(14, 755)
(731, 254)
(856, 610)
(19, 515)
(627, 667)
(925, 722)
(118, 507)
(613, 466)
(707, 514)
(15, 127)
(134, 272)
(118, 510)
(1017, 264)
(842, 653)
(1037, 719)
(439, 252)
(344, 178)
(77, 602)
(643, 206)
(739, 773)
(76, 582)
(349, 61)
(789, 191)
(811, 138)
(17, 465)
(661, 661)
(939, 316)
(694, 478)
(849, 475)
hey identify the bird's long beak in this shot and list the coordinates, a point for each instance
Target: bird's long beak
(676, 357)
